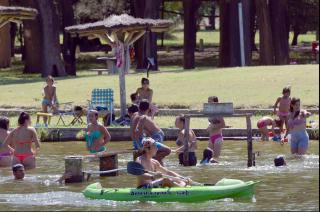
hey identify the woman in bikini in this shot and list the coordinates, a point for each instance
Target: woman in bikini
(5, 154)
(297, 128)
(282, 108)
(180, 122)
(97, 135)
(216, 124)
(145, 92)
(20, 140)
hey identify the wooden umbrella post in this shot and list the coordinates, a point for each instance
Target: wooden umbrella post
(249, 141)
(186, 141)
(122, 79)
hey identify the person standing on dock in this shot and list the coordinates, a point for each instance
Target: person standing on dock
(144, 126)
(97, 135)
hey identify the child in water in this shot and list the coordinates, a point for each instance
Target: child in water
(49, 97)
(216, 124)
(145, 92)
(263, 124)
(20, 141)
(282, 107)
(97, 135)
(180, 122)
(5, 154)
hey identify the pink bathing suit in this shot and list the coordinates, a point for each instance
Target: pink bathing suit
(216, 138)
(283, 114)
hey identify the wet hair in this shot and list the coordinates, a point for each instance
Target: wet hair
(145, 81)
(4, 123)
(286, 90)
(182, 118)
(96, 113)
(16, 167)
(133, 97)
(133, 109)
(294, 101)
(50, 78)
(214, 99)
(279, 161)
(23, 118)
(144, 105)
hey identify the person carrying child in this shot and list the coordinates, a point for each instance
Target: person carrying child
(263, 125)
(282, 107)
(180, 122)
(49, 97)
(144, 126)
(216, 124)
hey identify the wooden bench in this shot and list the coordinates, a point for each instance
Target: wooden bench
(100, 71)
(48, 115)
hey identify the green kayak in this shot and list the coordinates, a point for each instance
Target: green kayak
(225, 188)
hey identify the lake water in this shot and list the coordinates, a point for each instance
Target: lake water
(295, 187)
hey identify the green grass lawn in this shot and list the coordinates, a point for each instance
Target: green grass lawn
(213, 38)
(173, 87)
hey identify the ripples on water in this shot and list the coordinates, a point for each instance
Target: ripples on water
(294, 187)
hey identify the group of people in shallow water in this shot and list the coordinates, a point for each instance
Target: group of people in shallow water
(148, 138)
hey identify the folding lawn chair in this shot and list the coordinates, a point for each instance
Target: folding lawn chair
(69, 110)
(102, 100)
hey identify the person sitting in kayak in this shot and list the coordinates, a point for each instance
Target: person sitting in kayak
(144, 126)
(97, 135)
(150, 181)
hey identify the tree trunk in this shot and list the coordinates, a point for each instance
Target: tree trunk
(190, 32)
(230, 48)
(212, 18)
(266, 40)
(295, 37)
(280, 30)
(139, 8)
(5, 42)
(253, 25)
(69, 43)
(32, 50)
(152, 10)
(13, 33)
(51, 63)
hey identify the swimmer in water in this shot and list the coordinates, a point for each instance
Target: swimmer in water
(20, 141)
(279, 161)
(5, 154)
(97, 135)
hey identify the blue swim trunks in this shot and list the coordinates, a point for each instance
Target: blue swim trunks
(46, 102)
(299, 140)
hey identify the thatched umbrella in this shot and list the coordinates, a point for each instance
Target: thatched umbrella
(121, 31)
(15, 14)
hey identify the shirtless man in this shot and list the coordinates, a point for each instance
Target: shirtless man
(143, 126)
(149, 181)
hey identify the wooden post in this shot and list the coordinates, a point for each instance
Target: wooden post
(249, 141)
(109, 163)
(186, 141)
(73, 165)
(122, 79)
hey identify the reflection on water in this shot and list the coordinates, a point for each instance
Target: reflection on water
(295, 187)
